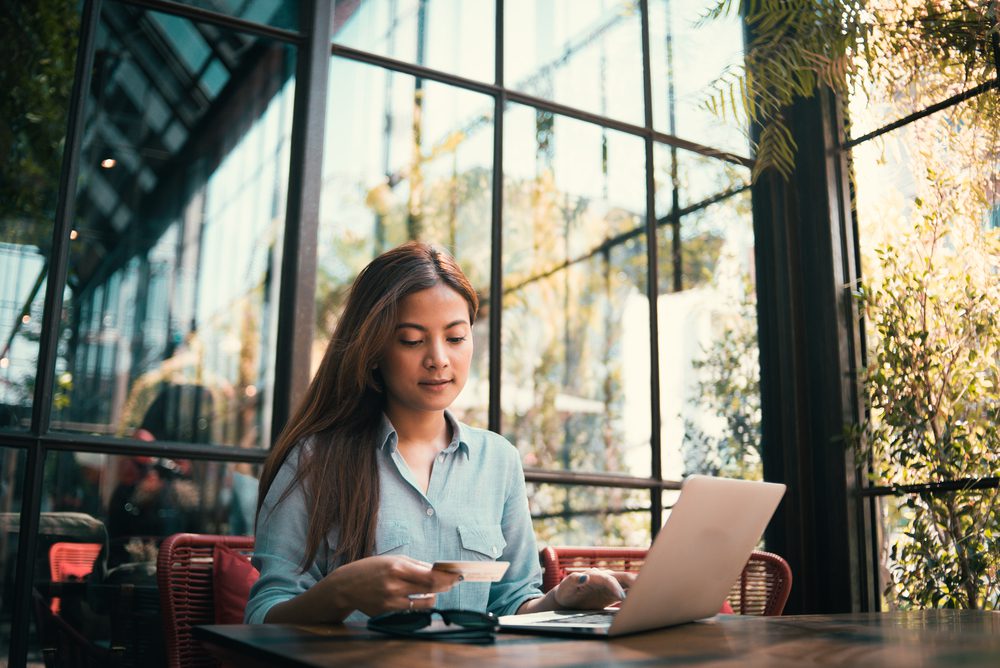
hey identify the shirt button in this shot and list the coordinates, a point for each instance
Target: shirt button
(430, 511)
(440, 458)
(494, 548)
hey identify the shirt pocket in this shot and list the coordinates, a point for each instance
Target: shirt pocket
(391, 538)
(481, 542)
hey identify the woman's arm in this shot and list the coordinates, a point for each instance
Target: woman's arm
(372, 585)
(324, 591)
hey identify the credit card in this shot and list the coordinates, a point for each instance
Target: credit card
(474, 571)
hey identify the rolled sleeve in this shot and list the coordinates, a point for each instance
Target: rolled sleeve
(280, 537)
(523, 579)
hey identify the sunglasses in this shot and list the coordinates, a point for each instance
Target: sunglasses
(459, 625)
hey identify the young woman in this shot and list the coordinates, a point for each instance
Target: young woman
(373, 479)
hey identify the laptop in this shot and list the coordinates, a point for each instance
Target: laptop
(689, 569)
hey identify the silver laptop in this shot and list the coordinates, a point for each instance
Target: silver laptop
(696, 558)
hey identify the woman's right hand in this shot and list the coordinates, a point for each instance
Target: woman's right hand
(372, 585)
(380, 584)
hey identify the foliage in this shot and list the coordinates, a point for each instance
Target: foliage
(849, 46)
(933, 385)
(39, 41)
(728, 389)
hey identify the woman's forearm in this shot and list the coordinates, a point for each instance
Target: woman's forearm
(540, 604)
(323, 603)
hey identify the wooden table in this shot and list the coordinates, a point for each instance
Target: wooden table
(922, 638)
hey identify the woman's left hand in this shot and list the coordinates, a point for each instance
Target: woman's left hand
(592, 589)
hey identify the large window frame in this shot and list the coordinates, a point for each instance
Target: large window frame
(298, 269)
(870, 492)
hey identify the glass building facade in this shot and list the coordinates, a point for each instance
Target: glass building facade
(192, 187)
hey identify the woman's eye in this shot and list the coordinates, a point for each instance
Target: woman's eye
(410, 343)
(456, 339)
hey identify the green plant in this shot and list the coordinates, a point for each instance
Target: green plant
(933, 383)
(900, 48)
(41, 37)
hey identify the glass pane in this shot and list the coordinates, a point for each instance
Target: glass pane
(928, 205)
(686, 58)
(926, 54)
(598, 516)
(582, 53)
(33, 109)
(454, 36)
(11, 493)
(709, 368)
(575, 384)
(169, 328)
(421, 167)
(940, 551)
(103, 519)
(697, 179)
(275, 13)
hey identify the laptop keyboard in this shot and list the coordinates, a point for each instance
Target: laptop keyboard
(586, 618)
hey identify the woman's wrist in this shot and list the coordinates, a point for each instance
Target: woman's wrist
(326, 602)
(540, 604)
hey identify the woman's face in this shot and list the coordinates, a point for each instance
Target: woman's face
(426, 362)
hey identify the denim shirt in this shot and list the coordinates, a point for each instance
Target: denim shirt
(475, 508)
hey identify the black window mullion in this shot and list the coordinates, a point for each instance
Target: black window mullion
(297, 292)
(41, 407)
(494, 413)
(656, 465)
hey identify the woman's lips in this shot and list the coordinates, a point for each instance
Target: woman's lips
(435, 384)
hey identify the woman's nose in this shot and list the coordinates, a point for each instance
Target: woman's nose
(437, 356)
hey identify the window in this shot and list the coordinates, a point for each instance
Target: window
(925, 153)
(600, 213)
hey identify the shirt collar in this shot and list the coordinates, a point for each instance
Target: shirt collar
(388, 439)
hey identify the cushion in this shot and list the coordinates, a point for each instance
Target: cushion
(232, 577)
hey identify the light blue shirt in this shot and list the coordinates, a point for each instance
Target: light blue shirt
(475, 508)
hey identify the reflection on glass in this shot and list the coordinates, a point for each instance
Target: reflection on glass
(419, 168)
(600, 516)
(103, 520)
(140, 500)
(275, 13)
(454, 36)
(11, 490)
(709, 368)
(582, 53)
(575, 384)
(22, 295)
(33, 115)
(169, 326)
(686, 57)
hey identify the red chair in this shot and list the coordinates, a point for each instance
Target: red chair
(762, 589)
(71, 561)
(184, 578)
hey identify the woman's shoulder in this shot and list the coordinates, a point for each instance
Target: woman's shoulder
(298, 454)
(477, 438)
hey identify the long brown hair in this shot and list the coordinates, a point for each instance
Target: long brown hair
(342, 409)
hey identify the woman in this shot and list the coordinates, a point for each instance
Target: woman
(373, 478)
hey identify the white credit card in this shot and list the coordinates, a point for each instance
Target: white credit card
(474, 571)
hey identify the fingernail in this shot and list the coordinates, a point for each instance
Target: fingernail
(582, 578)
